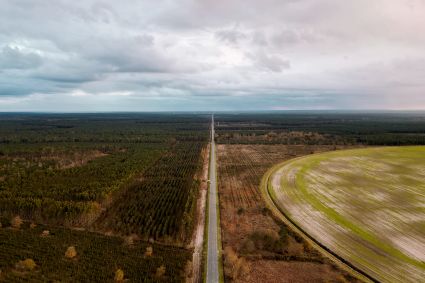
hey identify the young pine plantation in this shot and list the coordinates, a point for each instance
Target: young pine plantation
(98, 197)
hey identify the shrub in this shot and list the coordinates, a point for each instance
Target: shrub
(119, 275)
(26, 265)
(149, 251)
(297, 237)
(265, 211)
(16, 222)
(247, 247)
(188, 271)
(71, 252)
(267, 240)
(160, 271)
(308, 247)
(283, 233)
(129, 240)
(233, 265)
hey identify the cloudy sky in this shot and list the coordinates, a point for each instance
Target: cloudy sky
(85, 55)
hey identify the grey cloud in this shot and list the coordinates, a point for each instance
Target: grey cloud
(289, 37)
(134, 54)
(230, 35)
(232, 48)
(258, 38)
(14, 58)
(270, 62)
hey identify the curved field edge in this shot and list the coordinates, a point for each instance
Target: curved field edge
(293, 189)
(270, 200)
(311, 162)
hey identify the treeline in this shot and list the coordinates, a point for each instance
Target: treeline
(105, 128)
(393, 128)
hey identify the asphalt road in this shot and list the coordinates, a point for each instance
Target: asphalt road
(213, 245)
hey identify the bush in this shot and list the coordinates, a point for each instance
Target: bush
(26, 265)
(16, 222)
(234, 266)
(247, 247)
(283, 233)
(71, 252)
(129, 240)
(149, 251)
(267, 240)
(160, 271)
(119, 275)
(265, 211)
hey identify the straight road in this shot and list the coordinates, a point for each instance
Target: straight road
(213, 243)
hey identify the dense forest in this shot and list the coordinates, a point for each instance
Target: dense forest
(322, 128)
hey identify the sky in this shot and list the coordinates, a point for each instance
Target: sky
(211, 55)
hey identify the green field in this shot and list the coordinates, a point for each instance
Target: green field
(366, 205)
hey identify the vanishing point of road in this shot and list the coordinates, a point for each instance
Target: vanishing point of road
(213, 257)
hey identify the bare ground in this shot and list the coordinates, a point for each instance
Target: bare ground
(196, 243)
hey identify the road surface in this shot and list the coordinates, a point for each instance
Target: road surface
(213, 241)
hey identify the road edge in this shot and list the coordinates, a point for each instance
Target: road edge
(213, 197)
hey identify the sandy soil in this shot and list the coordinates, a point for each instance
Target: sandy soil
(198, 236)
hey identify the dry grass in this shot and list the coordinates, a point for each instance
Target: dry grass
(290, 272)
